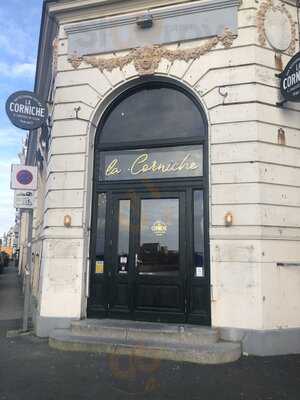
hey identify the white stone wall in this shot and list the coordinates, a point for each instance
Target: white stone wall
(251, 175)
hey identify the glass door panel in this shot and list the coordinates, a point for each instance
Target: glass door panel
(198, 251)
(199, 292)
(123, 236)
(158, 252)
(100, 238)
(120, 293)
(97, 302)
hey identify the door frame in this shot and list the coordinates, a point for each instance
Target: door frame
(174, 184)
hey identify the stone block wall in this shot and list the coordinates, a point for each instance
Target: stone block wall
(252, 176)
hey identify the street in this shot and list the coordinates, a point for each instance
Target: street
(29, 369)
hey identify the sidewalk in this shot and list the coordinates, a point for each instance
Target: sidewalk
(29, 369)
(11, 300)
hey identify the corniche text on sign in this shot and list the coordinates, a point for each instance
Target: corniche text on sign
(26, 111)
(290, 80)
(166, 162)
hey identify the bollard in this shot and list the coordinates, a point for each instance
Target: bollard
(26, 300)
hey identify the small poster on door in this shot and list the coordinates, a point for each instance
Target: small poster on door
(199, 272)
(99, 267)
(123, 260)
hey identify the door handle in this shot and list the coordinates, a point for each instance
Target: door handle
(137, 261)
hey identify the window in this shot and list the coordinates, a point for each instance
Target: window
(152, 112)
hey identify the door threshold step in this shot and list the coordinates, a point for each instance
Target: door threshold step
(141, 331)
(216, 353)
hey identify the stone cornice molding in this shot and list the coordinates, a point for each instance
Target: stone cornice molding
(158, 14)
(171, 24)
(147, 59)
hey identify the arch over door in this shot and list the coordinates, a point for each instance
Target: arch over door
(153, 113)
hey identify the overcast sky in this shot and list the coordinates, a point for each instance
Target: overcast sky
(20, 23)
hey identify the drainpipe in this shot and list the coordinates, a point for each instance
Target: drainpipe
(28, 270)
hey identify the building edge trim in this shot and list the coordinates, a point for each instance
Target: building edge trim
(44, 326)
(269, 342)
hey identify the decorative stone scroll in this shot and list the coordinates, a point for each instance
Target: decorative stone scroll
(146, 59)
(275, 25)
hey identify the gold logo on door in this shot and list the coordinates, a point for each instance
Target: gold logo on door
(159, 228)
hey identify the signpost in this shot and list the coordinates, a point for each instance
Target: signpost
(290, 80)
(26, 111)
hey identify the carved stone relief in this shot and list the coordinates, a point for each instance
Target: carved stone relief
(276, 27)
(146, 59)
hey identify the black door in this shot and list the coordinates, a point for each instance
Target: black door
(150, 267)
(145, 257)
(159, 257)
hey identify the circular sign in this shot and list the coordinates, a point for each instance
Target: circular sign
(24, 177)
(290, 80)
(26, 110)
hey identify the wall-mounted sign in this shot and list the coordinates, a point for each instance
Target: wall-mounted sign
(24, 199)
(23, 177)
(26, 111)
(290, 80)
(162, 163)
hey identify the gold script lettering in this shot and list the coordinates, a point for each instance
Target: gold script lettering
(113, 168)
(141, 166)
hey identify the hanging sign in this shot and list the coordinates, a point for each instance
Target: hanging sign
(26, 111)
(24, 199)
(290, 80)
(23, 177)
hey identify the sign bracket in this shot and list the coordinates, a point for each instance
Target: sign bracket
(281, 103)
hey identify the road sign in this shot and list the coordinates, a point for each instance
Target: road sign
(24, 199)
(23, 177)
(26, 111)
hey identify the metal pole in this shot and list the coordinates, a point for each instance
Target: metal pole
(28, 270)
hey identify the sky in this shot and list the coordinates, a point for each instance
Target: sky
(19, 31)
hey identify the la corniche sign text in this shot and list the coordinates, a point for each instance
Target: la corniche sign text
(171, 162)
(26, 111)
(290, 80)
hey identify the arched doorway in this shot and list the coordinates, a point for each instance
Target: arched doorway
(149, 239)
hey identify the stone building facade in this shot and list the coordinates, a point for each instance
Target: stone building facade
(224, 55)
